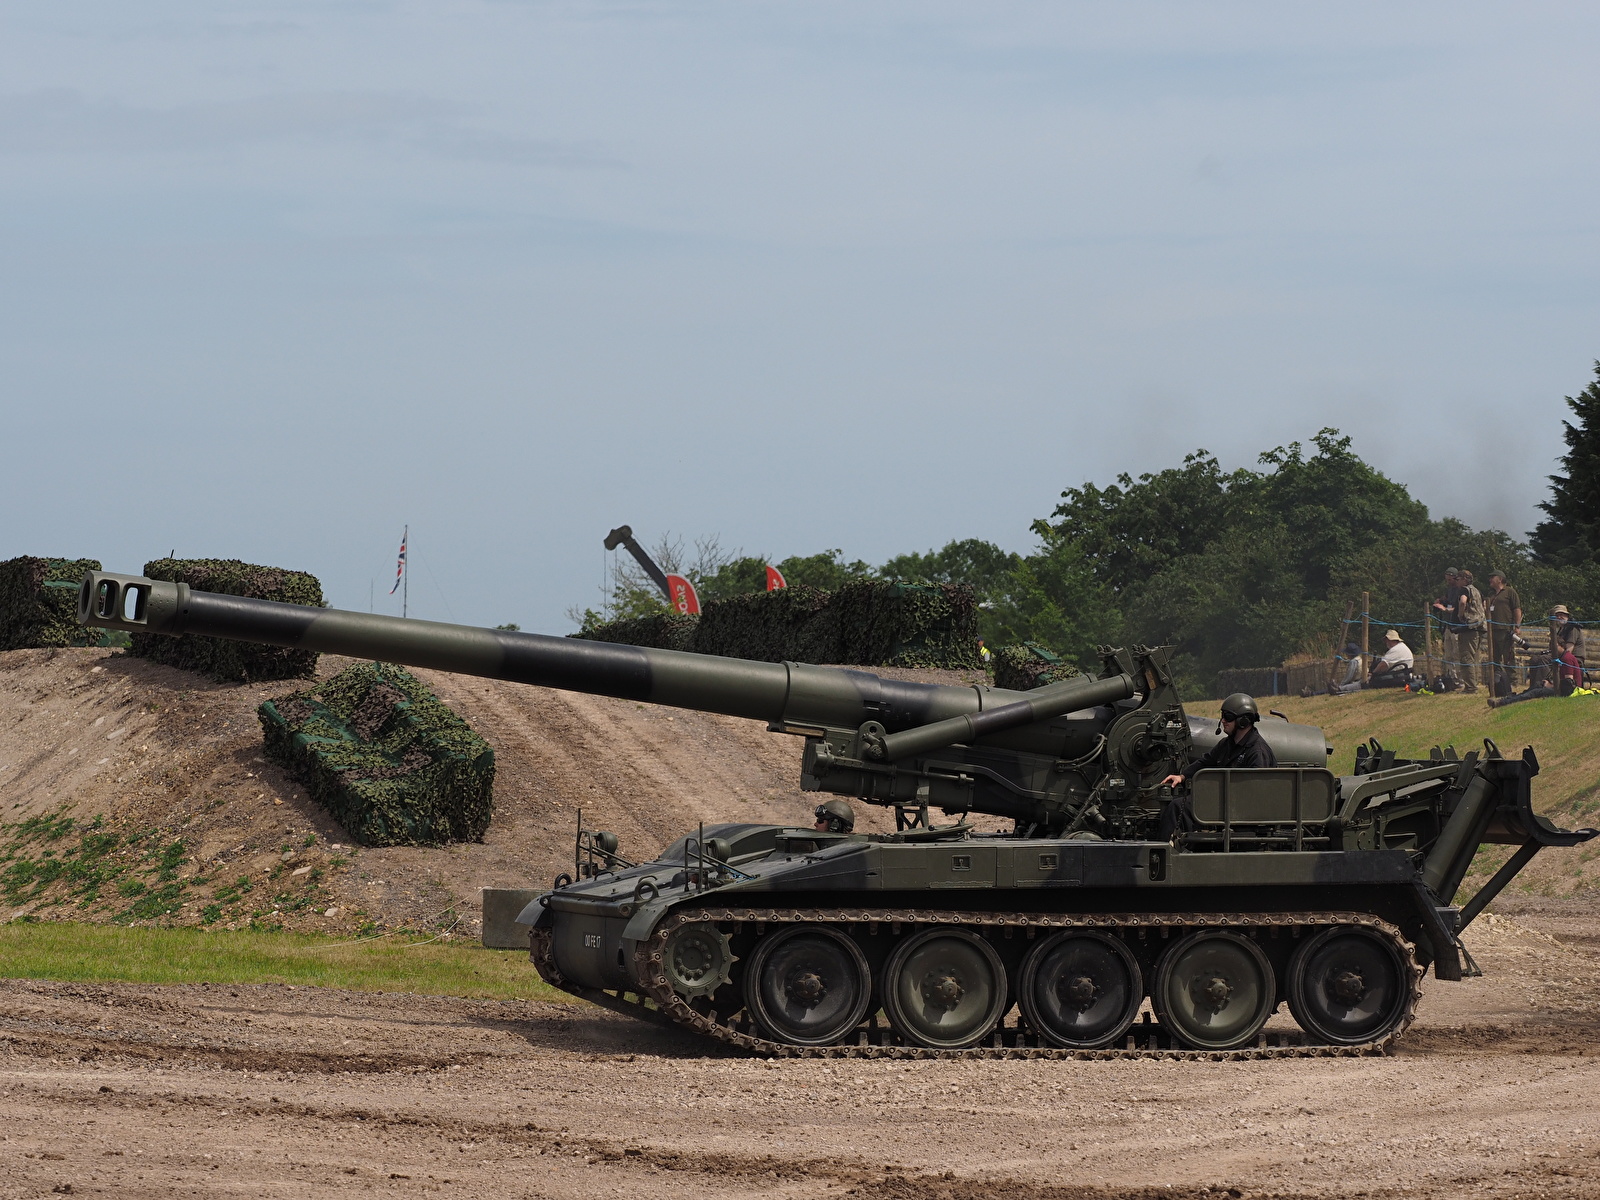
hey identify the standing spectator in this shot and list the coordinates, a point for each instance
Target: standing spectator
(1504, 613)
(1448, 607)
(1469, 640)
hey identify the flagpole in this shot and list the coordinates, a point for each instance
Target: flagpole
(402, 577)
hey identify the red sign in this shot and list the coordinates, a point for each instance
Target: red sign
(681, 595)
(775, 579)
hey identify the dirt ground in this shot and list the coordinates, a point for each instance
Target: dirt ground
(278, 1091)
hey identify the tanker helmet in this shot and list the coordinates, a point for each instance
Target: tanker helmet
(838, 816)
(1239, 707)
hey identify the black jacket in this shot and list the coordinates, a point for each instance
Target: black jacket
(1249, 751)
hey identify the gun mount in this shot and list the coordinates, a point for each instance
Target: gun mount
(1293, 884)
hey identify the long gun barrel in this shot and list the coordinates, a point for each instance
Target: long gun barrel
(795, 696)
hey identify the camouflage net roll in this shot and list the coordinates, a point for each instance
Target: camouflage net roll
(39, 603)
(1023, 667)
(385, 757)
(871, 623)
(223, 660)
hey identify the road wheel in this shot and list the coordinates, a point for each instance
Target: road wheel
(944, 987)
(1214, 990)
(1081, 989)
(1348, 985)
(808, 985)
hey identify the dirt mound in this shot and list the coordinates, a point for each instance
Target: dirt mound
(163, 757)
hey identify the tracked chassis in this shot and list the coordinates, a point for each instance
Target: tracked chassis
(658, 999)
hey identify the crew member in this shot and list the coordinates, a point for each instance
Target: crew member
(834, 816)
(1241, 746)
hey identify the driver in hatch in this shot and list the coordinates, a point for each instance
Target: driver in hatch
(834, 816)
(1241, 746)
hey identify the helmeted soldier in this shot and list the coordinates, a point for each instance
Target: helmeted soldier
(834, 816)
(1241, 746)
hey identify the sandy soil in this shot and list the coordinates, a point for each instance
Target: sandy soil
(225, 1091)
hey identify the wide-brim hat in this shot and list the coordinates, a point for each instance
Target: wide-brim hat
(1560, 608)
(1393, 635)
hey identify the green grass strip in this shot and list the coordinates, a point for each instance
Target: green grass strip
(115, 954)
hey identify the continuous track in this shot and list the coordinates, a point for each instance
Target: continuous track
(1143, 1041)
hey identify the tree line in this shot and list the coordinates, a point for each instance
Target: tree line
(1237, 568)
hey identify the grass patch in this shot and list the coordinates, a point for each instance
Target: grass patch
(77, 953)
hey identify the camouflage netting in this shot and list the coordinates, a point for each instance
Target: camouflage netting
(907, 625)
(794, 624)
(223, 660)
(385, 757)
(1021, 668)
(868, 624)
(669, 631)
(39, 603)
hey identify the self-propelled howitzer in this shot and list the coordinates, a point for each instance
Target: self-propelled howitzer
(1288, 884)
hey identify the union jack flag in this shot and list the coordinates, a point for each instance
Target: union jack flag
(400, 566)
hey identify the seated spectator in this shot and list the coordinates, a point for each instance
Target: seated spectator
(1352, 670)
(1566, 639)
(1392, 670)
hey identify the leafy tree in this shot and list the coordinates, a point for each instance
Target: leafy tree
(733, 578)
(981, 565)
(826, 570)
(1054, 597)
(1571, 535)
(1234, 568)
(989, 571)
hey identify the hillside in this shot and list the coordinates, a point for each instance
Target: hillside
(196, 827)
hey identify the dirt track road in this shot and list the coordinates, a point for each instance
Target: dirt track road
(275, 1091)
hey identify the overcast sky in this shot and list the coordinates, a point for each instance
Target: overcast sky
(279, 279)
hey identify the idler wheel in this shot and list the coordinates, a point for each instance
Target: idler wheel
(1080, 988)
(944, 987)
(808, 985)
(1214, 990)
(1348, 985)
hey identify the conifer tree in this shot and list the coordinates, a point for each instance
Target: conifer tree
(1571, 535)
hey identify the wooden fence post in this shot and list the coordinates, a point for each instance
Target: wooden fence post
(1427, 635)
(1366, 631)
